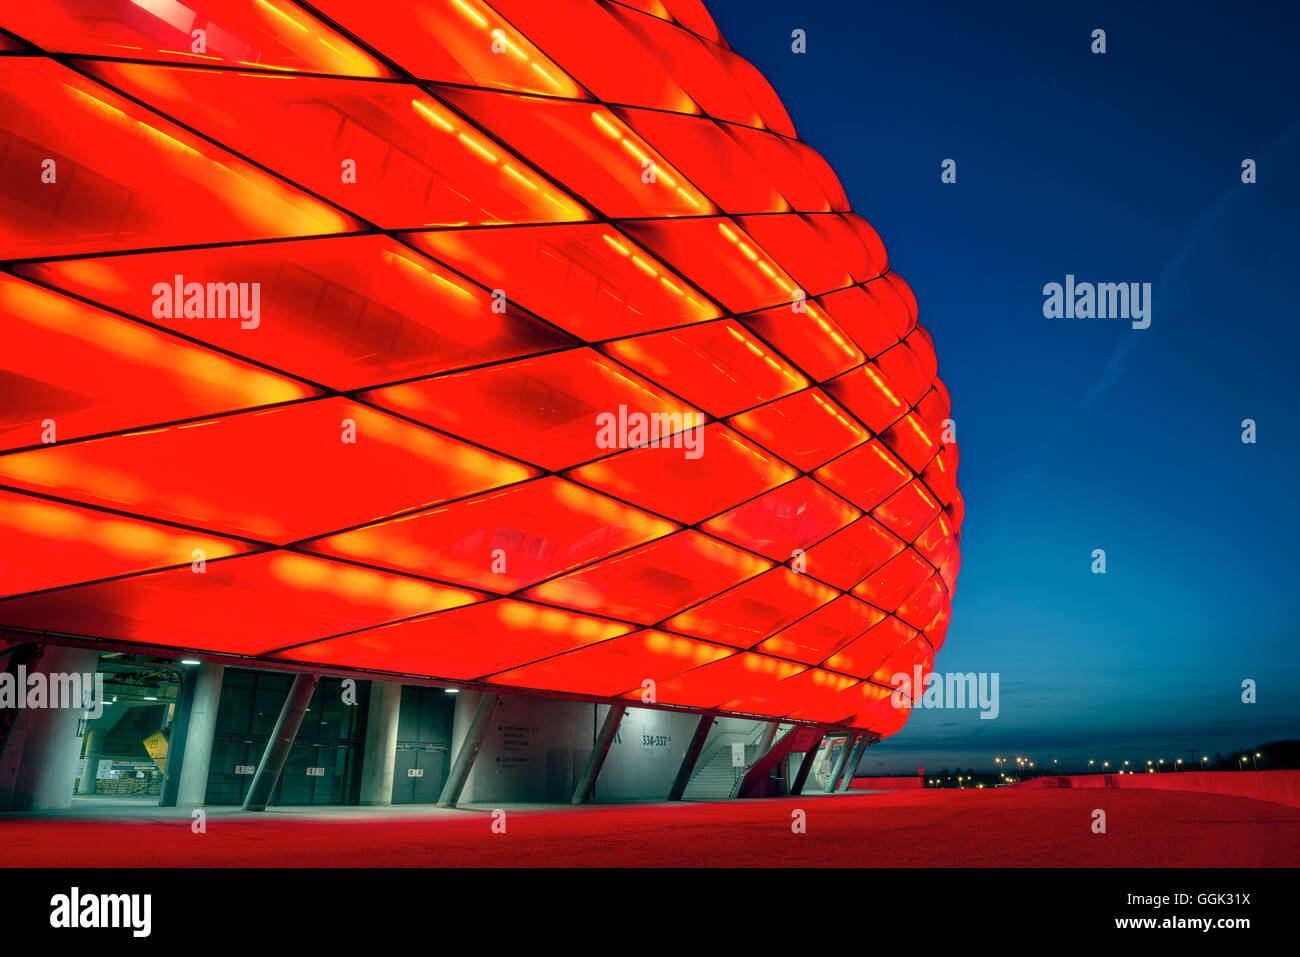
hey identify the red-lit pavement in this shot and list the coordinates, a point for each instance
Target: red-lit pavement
(1005, 827)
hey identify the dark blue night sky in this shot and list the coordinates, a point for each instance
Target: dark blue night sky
(1079, 434)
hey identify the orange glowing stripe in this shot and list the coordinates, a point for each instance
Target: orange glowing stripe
(206, 56)
(498, 34)
(609, 129)
(266, 66)
(880, 385)
(433, 116)
(547, 76)
(281, 13)
(647, 268)
(728, 233)
(641, 156)
(507, 168)
(610, 239)
(470, 142)
(472, 13)
(917, 429)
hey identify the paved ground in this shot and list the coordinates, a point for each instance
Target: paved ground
(1003, 827)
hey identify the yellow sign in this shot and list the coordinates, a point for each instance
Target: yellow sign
(156, 745)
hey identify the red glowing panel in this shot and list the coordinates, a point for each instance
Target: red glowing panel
(691, 64)
(920, 607)
(46, 544)
(935, 406)
(66, 365)
(895, 580)
(778, 156)
(748, 613)
(347, 313)
(809, 259)
(806, 429)
(588, 146)
(692, 15)
(869, 395)
(521, 328)
(555, 410)
(937, 540)
(504, 540)
(831, 627)
(810, 337)
(610, 668)
(276, 475)
(908, 511)
(720, 366)
(911, 439)
(849, 555)
(125, 177)
(459, 41)
(725, 470)
(248, 605)
(590, 280)
(866, 476)
(906, 371)
(713, 159)
(603, 55)
(867, 653)
(650, 583)
(860, 704)
(853, 242)
(794, 516)
(463, 643)
(260, 34)
(904, 661)
(757, 90)
(708, 686)
(416, 163)
(804, 689)
(860, 313)
(937, 630)
(718, 255)
(951, 565)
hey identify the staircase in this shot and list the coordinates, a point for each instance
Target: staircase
(715, 779)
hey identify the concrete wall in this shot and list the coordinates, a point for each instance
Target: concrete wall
(533, 752)
(646, 754)
(536, 749)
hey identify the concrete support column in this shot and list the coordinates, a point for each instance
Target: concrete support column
(599, 750)
(92, 752)
(838, 767)
(468, 750)
(281, 743)
(50, 737)
(196, 756)
(854, 759)
(380, 754)
(691, 757)
(805, 767)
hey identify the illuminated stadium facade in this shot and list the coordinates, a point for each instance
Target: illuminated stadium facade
(355, 352)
